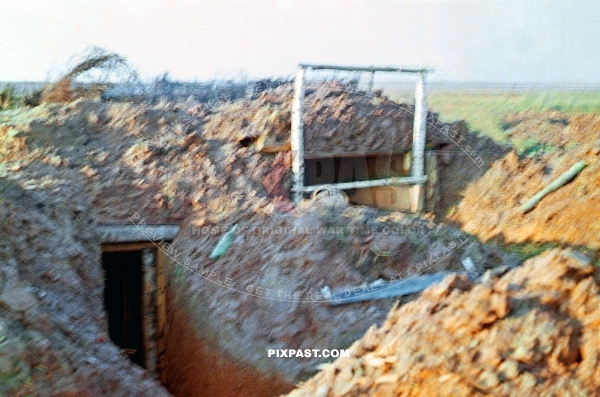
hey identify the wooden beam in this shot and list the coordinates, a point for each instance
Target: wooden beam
(432, 193)
(297, 138)
(161, 315)
(365, 184)
(371, 82)
(419, 138)
(316, 66)
(124, 247)
(133, 233)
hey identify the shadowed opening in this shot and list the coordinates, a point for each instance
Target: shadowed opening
(123, 301)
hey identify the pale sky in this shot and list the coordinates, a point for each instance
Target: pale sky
(529, 41)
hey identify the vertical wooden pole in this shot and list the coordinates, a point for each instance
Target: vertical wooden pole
(418, 146)
(298, 136)
(432, 194)
(149, 309)
(161, 314)
(371, 83)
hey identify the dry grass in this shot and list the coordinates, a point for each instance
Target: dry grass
(96, 64)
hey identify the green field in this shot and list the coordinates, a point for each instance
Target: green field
(483, 111)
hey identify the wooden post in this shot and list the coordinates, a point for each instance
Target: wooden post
(149, 310)
(418, 146)
(161, 314)
(298, 136)
(432, 194)
(371, 82)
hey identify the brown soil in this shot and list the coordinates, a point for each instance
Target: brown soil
(197, 368)
(553, 128)
(533, 332)
(491, 206)
(335, 120)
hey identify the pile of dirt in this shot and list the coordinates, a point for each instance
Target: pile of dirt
(335, 120)
(53, 332)
(566, 216)
(146, 159)
(166, 160)
(551, 127)
(533, 332)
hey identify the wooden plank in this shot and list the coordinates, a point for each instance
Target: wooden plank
(432, 193)
(149, 309)
(396, 198)
(316, 66)
(372, 183)
(124, 247)
(284, 147)
(133, 233)
(419, 128)
(418, 144)
(297, 136)
(320, 155)
(161, 315)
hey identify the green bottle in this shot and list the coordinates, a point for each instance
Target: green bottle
(223, 244)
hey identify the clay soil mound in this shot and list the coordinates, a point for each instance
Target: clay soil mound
(491, 207)
(335, 120)
(533, 332)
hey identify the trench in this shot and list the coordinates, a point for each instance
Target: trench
(168, 346)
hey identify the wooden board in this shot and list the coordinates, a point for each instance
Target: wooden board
(124, 247)
(387, 197)
(161, 315)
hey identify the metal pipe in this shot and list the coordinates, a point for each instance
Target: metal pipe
(384, 290)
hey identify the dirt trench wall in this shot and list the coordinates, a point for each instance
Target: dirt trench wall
(533, 332)
(196, 366)
(53, 332)
(265, 291)
(568, 215)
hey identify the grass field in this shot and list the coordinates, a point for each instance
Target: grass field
(483, 111)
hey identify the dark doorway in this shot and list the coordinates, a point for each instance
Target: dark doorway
(123, 301)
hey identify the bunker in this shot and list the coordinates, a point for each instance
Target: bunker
(134, 291)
